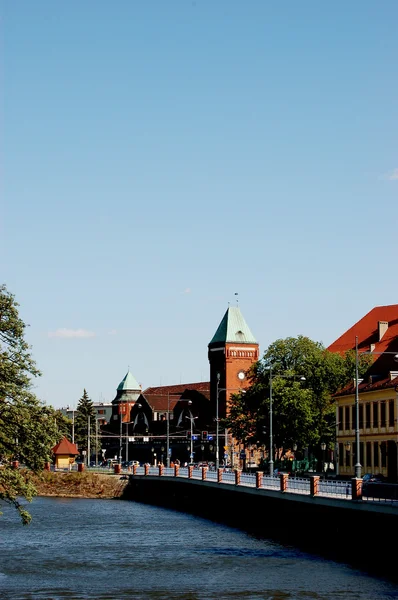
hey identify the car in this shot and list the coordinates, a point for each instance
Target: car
(372, 478)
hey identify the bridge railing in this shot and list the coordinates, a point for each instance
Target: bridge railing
(314, 486)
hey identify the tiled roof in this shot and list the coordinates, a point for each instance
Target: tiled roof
(367, 331)
(158, 397)
(65, 447)
(233, 328)
(368, 386)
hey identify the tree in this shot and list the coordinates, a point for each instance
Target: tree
(305, 375)
(28, 428)
(85, 409)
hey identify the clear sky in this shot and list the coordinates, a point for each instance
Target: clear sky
(159, 156)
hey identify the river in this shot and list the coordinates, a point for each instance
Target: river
(110, 549)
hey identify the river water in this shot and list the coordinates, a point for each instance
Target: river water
(111, 549)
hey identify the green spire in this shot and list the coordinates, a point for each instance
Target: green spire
(128, 383)
(233, 328)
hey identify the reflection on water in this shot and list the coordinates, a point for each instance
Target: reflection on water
(109, 549)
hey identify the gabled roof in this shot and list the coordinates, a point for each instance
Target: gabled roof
(159, 397)
(65, 447)
(129, 382)
(233, 328)
(368, 333)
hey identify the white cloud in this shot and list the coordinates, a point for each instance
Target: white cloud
(393, 176)
(187, 291)
(112, 332)
(71, 333)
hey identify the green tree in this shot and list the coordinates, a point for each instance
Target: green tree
(85, 410)
(28, 428)
(305, 375)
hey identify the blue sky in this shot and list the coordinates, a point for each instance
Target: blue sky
(157, 157)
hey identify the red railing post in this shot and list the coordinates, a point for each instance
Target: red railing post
(259, 479)
(204, 471)
(284, 479)
(237, 477)
(219, 475)
(314, 485)
(356, 488)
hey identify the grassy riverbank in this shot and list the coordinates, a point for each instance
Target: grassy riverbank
(78, 485)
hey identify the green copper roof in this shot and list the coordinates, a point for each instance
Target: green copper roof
(128, 383)
(233, 328)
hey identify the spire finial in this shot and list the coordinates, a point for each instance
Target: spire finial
(237, 299)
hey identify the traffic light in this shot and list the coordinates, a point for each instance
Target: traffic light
(204, 435)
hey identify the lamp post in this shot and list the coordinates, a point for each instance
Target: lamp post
(192, 419)
(323, 448)
(73, 423)
(88, 441)
(120, 434)
(218, 390)
(271, 438)
(217, 420)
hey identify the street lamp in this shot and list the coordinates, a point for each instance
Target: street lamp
(192, 419)
(323, 448)
(218, 390)
(73, 423)
(271, 439)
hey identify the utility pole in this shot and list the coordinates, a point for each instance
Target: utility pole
(96, 442)
(120, 434)
(88, 442)
(168, 431)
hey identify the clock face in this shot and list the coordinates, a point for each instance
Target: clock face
(241, 375)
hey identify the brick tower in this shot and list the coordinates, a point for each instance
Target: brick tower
(232, 351)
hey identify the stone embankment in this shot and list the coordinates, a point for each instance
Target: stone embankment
(79, 485)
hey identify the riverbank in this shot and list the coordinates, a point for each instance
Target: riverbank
(78, 485)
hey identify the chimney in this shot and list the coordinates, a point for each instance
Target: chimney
(383, 326)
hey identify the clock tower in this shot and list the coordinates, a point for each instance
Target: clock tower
(232, 350)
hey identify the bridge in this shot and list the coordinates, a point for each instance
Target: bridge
(328, 517)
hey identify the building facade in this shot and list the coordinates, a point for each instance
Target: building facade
(377, 335)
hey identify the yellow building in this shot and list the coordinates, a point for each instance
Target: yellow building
(65, 453)
(378, 432)
(376, 334)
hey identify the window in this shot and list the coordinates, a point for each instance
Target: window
(367, 415)
(353, 417)
(361, 452)
(347, 457)
(369, 456)
(383, 452)
(361, 411)
(341, 453)
(391, 413)
(100, 411)
(347, 418)
(340, 424)
(383, 414)
(375, 454)
(375, 414)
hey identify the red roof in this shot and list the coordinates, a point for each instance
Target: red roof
(368, 332)
(367, 386)
(159, 397)
(65, 447)
(383, 350)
